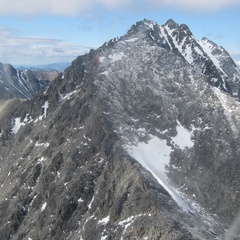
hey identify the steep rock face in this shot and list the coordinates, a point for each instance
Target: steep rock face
(22, 83)
(131, 143)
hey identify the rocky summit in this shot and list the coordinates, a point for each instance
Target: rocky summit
(139, 139)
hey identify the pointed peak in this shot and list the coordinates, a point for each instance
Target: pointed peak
(148, 22)
(204, 39)
(171, 23)
(142, 26)
(184, 27)
(8, 67)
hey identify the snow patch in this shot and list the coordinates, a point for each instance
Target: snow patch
(104, 237)
(17, 124)
(37, 144)
(43, 206)
(149, 24)
(128, 221)
(90, 204)
(199, 51)
(116, 56)
(41, 160)
(131, 40)
(104, 220)
(68, 95)
(102, 59)
(183, 137)
(105, 73)
(45, 107)
(80, 200)
(155, 157)
(162, 30)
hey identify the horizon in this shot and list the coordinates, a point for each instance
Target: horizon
(38, 34)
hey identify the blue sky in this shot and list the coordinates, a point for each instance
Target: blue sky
(40, 32)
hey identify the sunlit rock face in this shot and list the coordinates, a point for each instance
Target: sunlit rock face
(137, 140)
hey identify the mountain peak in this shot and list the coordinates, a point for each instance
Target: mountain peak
(179, 39)
(171, 23)
(142, 26)
(148, 22)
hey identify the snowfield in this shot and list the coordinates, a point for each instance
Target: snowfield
(155, 157)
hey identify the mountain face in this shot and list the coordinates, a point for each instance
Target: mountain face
(23, 83)
(137, 140)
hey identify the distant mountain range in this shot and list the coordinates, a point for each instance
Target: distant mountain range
(60, 66)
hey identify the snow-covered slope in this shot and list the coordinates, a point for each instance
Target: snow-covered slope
(132, 142)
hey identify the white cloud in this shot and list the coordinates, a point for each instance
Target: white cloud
(203, 5)
(55, 7)
(16, 49)
(76, 7)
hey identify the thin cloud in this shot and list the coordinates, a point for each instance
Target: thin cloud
(235, 54)
(80, 7)
(215, 36)
(14, 48)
